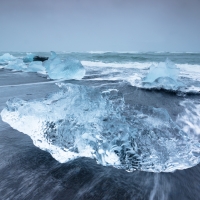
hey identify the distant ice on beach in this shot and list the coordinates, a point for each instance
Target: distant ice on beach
(63, 69)
(29, 57)
(5, 58)
(164, 75)
(54, 67)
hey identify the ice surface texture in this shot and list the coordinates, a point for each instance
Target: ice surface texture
(81, 121)
(164, 75)
(66, 69)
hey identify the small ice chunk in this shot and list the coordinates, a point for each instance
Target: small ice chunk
(5, 58)
(17, 65)
(35, 66)
(64, 69)
(163, 69)
(29, 57)
(164, 75)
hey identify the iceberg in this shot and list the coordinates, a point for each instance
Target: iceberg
(29, 57)
(17, 65)
(164, 75)
(64, 69)
(5, 58)
(36, 66)
(80, 121)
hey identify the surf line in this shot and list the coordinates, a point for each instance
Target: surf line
(27, 84)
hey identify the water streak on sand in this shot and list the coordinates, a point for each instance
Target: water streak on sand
(26, 84)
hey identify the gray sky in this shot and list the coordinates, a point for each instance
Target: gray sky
(94, 25)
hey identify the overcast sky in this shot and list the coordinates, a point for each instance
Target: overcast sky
(94, 25)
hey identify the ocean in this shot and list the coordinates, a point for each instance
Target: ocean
(100, 125)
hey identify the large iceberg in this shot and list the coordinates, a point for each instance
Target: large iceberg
(5, 58)
(80, 121)
(164, 75)
(69, 68)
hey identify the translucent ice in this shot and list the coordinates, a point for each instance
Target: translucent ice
(80, 121)
(64, 69)
(17, 65)
(35, 66)
(29, 57)
(164, 75)
(5, 58)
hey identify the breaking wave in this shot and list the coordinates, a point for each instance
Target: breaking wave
(135, 65)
